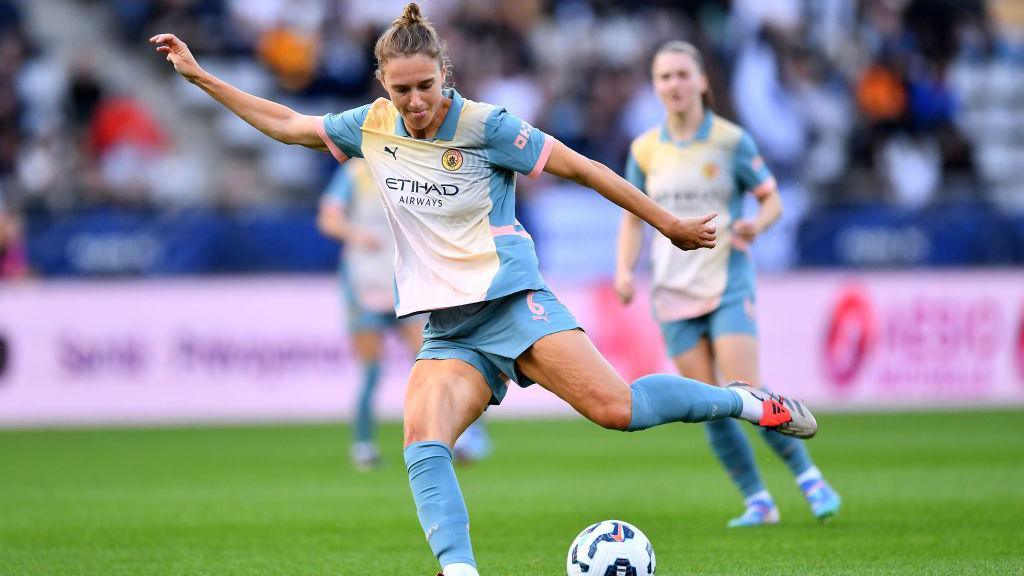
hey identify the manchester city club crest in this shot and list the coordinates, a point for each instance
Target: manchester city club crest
(710, 170)
(451, 159)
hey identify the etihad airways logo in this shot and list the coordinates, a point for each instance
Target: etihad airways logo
(421, 193)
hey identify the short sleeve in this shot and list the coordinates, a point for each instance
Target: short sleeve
(634, 174)
(512, 143)
(748, 165)
(339, 189)
(343, 132)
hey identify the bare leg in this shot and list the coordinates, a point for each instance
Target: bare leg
(727, 439)
(365, 454)
(443, 398)
(697, 363)
(737, 360)
(567, 364)
(412, 334)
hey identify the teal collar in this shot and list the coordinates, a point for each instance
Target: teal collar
(451, 121)
(703, 131)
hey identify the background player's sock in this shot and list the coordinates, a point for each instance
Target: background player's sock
(760, 497)
(733, 450)
(364, 409)
(661, 398)
(439, 504)
(824, 501)
(791, 450)
(808, 478)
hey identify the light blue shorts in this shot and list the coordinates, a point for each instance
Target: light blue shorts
(734, 316)
(490, 335)
(362, 320)
(358, 317)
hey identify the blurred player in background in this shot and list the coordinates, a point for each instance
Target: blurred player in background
(704, 300)
(351, 212)
(446, 169)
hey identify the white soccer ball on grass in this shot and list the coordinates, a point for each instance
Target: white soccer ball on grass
(610, 548)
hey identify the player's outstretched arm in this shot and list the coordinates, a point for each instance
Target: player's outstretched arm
(631, 235)
(685, 233)
(279, 122)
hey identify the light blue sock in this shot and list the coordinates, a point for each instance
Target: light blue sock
(733, 450)
(364, 410)
(792, 451)
(439, 503)
(661, 398)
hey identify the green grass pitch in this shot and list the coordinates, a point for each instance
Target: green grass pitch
(924, 493)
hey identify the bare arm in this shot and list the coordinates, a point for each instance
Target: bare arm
(332, 222)
(769, 211)
(631, 235)
(279, 122)
(685, 233)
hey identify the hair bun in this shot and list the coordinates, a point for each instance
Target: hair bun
(411, 15)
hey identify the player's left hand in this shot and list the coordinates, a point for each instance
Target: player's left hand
(692, 233)
(743, 233)
(178, 54)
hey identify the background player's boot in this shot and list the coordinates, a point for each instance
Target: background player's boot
(824, 501)
(474, 444)
(758, 513)
(365, 456)
(780, 413)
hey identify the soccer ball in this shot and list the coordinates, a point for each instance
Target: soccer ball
(610, 548)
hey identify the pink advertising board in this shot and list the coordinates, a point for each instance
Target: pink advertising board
(866, 341)
(273, 348)
(182, 351)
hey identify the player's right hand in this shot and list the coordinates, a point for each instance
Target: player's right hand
(366, 240)
(178, 54)
(624, 287)
(692, 233)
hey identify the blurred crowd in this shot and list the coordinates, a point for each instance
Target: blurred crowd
(902, 102)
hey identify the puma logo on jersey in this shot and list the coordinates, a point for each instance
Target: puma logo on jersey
(393, 152)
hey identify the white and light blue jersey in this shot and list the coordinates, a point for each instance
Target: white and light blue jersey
(709, 172)
(368, 275)
(451, 200)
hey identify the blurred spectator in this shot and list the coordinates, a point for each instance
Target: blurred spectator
(13, 260)
(891, 101)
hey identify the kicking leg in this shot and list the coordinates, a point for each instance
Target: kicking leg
(443, 398)
(568, 364)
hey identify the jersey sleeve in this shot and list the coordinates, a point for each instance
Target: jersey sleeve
(339, 189)
(750, 170)
(634, 174)
(513, 144)
(343, 132)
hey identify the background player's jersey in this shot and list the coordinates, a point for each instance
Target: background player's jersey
(367, 274)
(709, 172)
(451, 200)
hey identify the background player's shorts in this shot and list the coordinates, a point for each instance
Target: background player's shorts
(358, 316)
(733, 316)
(491, 335)
(362, 320)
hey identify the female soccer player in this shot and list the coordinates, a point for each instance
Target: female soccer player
(445, 166)
(704, 300)
(351, 212)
